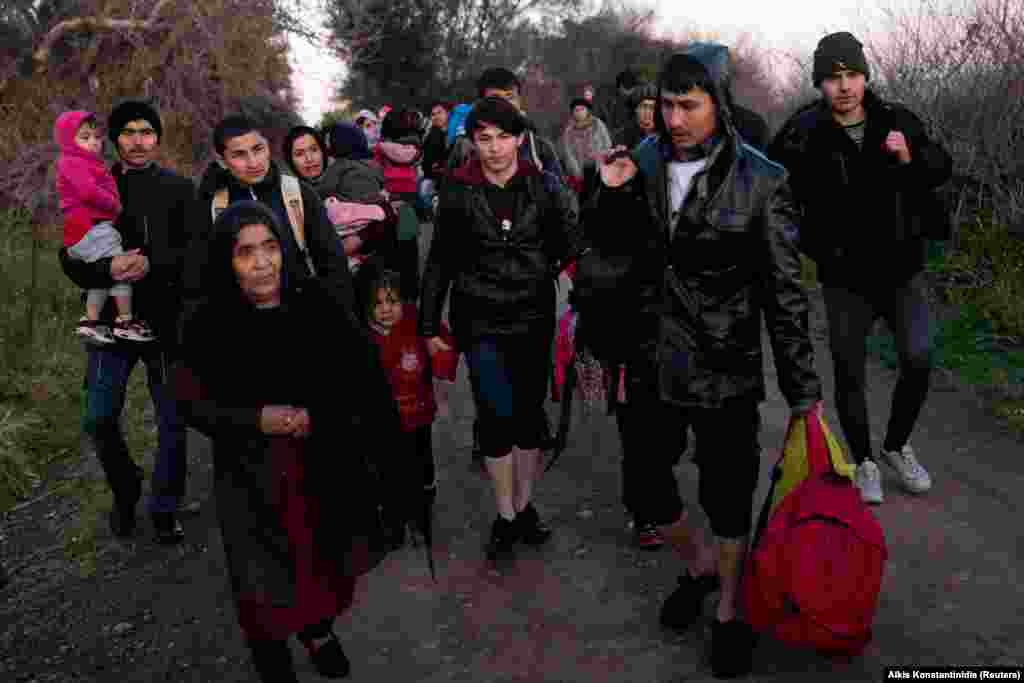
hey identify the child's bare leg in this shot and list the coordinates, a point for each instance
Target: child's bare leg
(94, 300)
(124, 306)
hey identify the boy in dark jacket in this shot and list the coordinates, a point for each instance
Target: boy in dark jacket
(153, 225)
(864, 172)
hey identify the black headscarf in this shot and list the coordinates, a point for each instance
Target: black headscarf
(220, 280)
(289, 140)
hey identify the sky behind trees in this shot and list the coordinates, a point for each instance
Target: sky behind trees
(785, 26)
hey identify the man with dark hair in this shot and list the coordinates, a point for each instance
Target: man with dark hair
(501, 235)
(500, 82)
(435, 145)
(244, 170)
(864, 171)
(619, 111)
(154, 227)
(679, 302)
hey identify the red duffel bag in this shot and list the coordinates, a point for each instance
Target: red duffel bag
(814, 573)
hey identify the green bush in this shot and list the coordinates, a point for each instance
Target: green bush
(986, 273)
(42, 364)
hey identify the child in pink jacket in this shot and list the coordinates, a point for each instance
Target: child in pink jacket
(90, 203)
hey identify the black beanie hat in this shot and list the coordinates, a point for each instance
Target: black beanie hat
(581, 102)
(838, 52)
(132, 110)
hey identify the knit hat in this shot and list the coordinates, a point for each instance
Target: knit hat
(644, 91)
(838, 52)
(349, 142)
(132, 110)
(581, 102)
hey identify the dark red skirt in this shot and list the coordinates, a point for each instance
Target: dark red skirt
(322, 590)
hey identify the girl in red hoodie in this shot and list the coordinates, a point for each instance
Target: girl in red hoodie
(90, 203)
(409, 368)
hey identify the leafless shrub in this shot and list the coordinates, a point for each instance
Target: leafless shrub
(960, 66)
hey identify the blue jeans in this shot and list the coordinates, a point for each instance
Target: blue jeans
(106, 384)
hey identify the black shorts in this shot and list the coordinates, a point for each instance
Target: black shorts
(728, 460)
(509, 377)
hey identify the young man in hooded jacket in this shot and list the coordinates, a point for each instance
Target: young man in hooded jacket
(864, 173)
(154, 226)
(680, 303)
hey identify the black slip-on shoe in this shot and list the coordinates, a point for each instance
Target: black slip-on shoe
(531, 529)
(329, 659)
(682, 608)
(732, 648)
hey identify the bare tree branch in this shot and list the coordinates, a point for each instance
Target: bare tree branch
(42, 54)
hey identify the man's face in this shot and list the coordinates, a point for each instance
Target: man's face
(690, 118)
(439, 117)
(510, 95)
(307, 156)
(588, 94)
(256, 260)
(844, 91)
(137, 143)
(645, 115)
(247, 157)
(498, 150)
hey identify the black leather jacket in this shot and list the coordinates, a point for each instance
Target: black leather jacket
(502, 281)
(687, 303)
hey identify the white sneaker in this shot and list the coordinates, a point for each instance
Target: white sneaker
(868, 479)
(915, 478)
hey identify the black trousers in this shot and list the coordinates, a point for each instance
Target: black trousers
(851, 316)
(653, 435)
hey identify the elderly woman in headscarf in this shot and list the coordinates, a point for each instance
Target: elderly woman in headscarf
(265, 379)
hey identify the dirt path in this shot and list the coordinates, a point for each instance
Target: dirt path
(583, 609)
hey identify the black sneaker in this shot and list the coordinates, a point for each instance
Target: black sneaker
(732, 648)
(530, 529)
(502, 543)
(168, 529)
(683, 607)
(329, 659)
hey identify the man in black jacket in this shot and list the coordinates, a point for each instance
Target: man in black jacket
(679, 301)
(244, 170)
(153, 227)
(864, 172)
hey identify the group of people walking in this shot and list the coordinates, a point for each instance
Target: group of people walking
(291, 325)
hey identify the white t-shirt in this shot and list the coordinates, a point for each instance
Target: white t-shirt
(680, 178)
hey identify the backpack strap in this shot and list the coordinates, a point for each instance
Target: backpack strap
(220, 202)
(291, 192)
